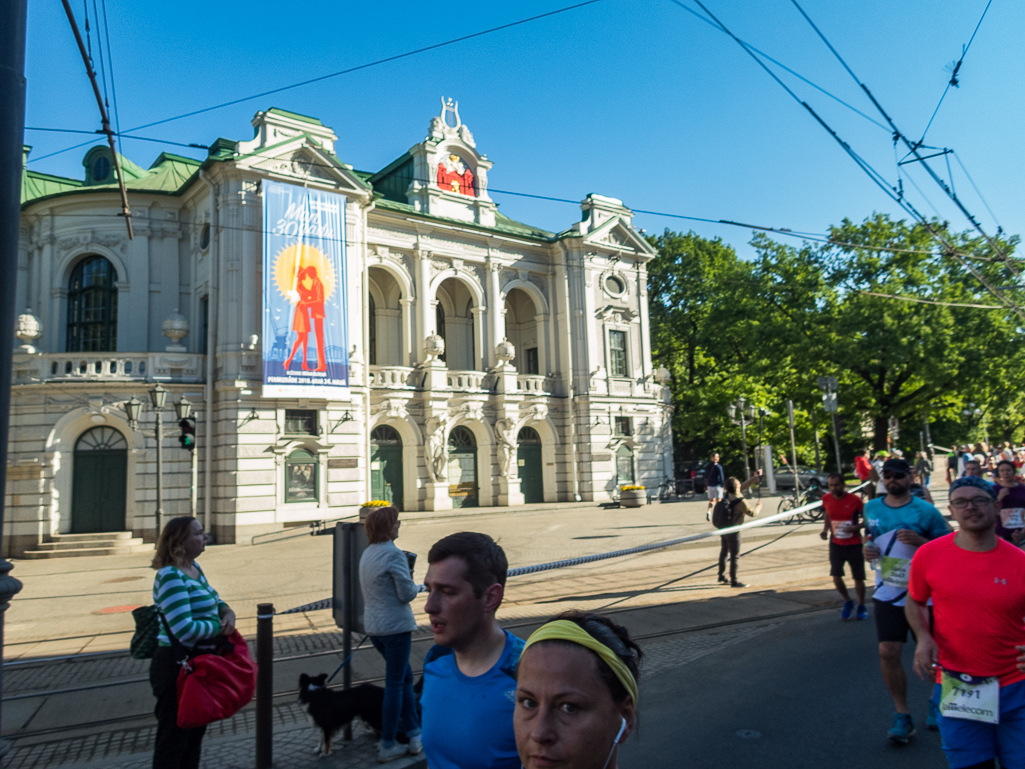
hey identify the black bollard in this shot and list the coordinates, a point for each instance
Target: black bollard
(264, 685)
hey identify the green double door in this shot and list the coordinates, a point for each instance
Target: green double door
(462, 468)
(529, 466)
(99, 482)
(386, 465)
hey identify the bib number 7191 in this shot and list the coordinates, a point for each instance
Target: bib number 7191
(970, 697)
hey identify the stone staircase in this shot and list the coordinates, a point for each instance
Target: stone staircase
(80, 545)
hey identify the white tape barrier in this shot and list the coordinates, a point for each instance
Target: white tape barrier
(521, 570)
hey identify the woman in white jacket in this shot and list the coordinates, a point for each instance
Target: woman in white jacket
(388, 588)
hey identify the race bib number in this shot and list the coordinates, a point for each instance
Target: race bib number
(1013, 518)
(843, 529)
(970, 697)
(895, 571)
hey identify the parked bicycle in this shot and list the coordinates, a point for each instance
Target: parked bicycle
(801, 497)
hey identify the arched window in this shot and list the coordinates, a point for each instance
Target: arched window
(461, 438)
(92, 306)
(371, 331)
(301, 477)
(384, 435)
(528, 435)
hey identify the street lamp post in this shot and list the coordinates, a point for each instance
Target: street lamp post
(133, 409)
(742, 416)
(183, 410)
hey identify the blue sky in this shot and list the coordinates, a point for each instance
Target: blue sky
(636, 99)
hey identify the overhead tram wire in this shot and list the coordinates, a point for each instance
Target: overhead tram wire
(110, 67)
(783, 231)
(874, 175)
(975, 187)
(347, 71)
(783, 66)
(913, 148)
(954, 73)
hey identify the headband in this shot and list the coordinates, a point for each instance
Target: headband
(565, 630)
(977, 482)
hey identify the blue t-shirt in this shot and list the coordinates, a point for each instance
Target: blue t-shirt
(880, 519)
(467, 721)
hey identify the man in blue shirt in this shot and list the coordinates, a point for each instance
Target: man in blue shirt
(469, 683)
(898, 524)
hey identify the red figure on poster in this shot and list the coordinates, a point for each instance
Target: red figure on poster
(311, 305)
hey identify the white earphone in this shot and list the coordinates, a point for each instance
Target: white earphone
(620, 732)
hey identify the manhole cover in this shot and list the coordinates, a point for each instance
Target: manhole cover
(748, 734)
(121, 579)
(117, 609)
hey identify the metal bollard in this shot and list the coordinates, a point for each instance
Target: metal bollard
(264, 685)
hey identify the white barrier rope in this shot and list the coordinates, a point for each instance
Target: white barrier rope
(327, 603)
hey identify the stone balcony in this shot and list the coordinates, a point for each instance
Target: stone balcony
(468, 381)
(532, 384)
(108, 367)
(393, 377)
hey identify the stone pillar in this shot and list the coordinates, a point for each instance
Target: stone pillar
(496, 316)
(425, 303)
(480, 359)
(407, 346)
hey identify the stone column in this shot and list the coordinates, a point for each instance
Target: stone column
(425, 305)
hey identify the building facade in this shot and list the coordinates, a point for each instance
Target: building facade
(490, 362)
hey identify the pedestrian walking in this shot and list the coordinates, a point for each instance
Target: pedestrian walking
(194, 613)
(715, 479)
(1010, 502)
(924, 467)
(863, 469)
(388, 588)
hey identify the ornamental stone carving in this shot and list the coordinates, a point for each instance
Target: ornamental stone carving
(27, 329)
(505, 351)
(175, 328)
(434, 346)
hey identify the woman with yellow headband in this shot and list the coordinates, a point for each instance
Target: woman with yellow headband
(576, 693)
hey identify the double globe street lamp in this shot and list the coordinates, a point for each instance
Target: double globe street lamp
(133, 408)
(746, 417)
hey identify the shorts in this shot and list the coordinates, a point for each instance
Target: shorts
(841, 554)
(968, 743)
(714, 492)
(891, 624)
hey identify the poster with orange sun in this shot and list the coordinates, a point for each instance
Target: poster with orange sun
(305, 334)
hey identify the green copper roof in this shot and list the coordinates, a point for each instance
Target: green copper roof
(294, 116)
(36, 185)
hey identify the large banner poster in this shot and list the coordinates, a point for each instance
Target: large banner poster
(304, 294)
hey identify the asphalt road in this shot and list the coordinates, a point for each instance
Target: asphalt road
(810, 689)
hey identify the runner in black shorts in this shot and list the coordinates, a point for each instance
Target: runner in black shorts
(842, 525)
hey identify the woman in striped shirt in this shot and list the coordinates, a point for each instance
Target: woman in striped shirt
(194, 613)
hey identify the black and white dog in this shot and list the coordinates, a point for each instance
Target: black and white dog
(331, 710)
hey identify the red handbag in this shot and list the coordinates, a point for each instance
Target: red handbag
(215, 686)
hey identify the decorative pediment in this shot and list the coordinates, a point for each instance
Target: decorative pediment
(612, 314)
(618, 236)
(302, 161)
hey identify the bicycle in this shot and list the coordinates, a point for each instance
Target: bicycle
(685, 488)
(666, 489)
(811, 494)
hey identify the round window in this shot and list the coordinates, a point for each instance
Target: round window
(204, 237)
(101, 168)
(614, 285)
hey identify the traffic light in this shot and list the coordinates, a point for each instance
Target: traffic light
(188, 437)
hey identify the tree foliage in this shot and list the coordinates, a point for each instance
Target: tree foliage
(877, 308)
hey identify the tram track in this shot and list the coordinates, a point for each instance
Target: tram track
(144, 720)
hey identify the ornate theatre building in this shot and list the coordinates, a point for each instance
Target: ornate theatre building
(336, 335)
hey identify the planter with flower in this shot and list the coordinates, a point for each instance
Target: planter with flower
(366, 507)
(631, 496)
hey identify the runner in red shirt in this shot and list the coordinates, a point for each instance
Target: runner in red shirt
(977, 585)
(842, 524)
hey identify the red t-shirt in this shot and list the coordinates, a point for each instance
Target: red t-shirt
(842, 511)
(863, 467)
(978, 603)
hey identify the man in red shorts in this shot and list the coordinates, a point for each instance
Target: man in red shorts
(977, 585)
(841, 524)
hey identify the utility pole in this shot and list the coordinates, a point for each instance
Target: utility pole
(12, 140)
(746, 417)
(793, 445)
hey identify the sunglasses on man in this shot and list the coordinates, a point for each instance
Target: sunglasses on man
(894, 476)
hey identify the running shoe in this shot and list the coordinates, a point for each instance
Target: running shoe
(862, 612)
(903, 729)
(848, 609)
(738, 583)
(932, 721)
(390, 753)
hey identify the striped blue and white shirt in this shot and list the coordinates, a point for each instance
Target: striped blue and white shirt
(190, 606)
